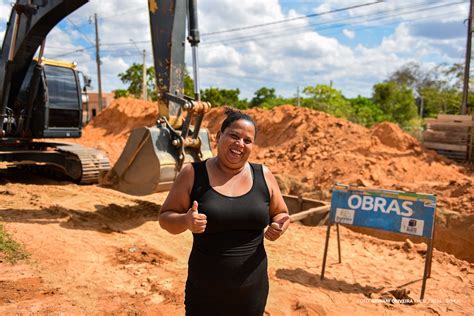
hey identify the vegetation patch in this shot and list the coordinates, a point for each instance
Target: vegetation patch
(10, 250)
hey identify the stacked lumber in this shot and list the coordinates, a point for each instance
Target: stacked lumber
(450, 136)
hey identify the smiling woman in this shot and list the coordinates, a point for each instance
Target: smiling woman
(229, 205)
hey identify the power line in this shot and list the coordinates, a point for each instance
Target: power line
(257, 36)
(289, 31)
(381, 15)
(268, 32)
(444, 14)
(291, 19)
(254, 78)
(73, 52)
(227, 74)
(124, 43)
(80, 32)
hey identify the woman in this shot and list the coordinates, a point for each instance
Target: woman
(227, 202)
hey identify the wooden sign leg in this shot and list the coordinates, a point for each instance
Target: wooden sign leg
(338, 243)
(429, 256)
(328, 232)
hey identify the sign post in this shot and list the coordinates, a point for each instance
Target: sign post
(396, 211)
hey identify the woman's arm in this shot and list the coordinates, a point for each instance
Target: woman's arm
(175, 217)
(280, 220)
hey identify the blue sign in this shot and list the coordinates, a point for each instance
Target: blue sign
(396, 211)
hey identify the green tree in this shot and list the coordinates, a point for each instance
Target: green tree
(454, 74)
(396, 101)
(133, 76)
(188, 84)
(440, 100)
(219, 97)
(365, 112)
(437, 89)
(120, 93)
(327, 99)
(262, 95)
(411, 75)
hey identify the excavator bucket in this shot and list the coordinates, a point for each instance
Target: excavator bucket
(150, 162)
(153, 156)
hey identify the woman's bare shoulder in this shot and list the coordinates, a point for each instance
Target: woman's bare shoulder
(186, 175)
(179, 195)
(269, 178)
(266, 171)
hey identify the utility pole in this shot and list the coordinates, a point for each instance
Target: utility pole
(144, 85)
(298, 96)
(467, 64)
(97, 58)
(422, 104)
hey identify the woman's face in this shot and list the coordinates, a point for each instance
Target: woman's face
(234, 145)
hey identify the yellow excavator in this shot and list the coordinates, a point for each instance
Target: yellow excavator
(41, 100)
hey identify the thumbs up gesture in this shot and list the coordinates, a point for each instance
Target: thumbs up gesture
(276, 228)
(195, 221)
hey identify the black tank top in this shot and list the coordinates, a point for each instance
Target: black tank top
(230, 252)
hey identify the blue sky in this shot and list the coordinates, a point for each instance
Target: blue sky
(351, 43)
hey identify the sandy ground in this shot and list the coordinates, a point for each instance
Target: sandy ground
(98, 251)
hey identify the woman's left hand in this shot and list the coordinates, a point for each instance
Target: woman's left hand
(276, 228)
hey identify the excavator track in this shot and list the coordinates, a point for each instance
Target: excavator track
(92, 162)
(81, 164)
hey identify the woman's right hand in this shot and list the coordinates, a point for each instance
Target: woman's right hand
(195, 221)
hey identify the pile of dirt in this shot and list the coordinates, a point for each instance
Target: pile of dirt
(319, 150)
(110, 129)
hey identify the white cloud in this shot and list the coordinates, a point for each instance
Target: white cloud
(322, 8)
(220, 56)
(5, 8)
(348, 33)
(282, 55)
(389, 11)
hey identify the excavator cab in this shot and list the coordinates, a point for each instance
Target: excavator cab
(58, 108)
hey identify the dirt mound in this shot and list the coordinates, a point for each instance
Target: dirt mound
(110, 129)
(391, 135)
(310, 151)
(123, 115)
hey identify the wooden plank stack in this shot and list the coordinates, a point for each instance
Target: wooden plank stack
(451, 136)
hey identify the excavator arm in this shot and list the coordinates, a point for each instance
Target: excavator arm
(153, 156)
(168, 29)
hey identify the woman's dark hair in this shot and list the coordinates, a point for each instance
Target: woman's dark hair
(235, 115)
